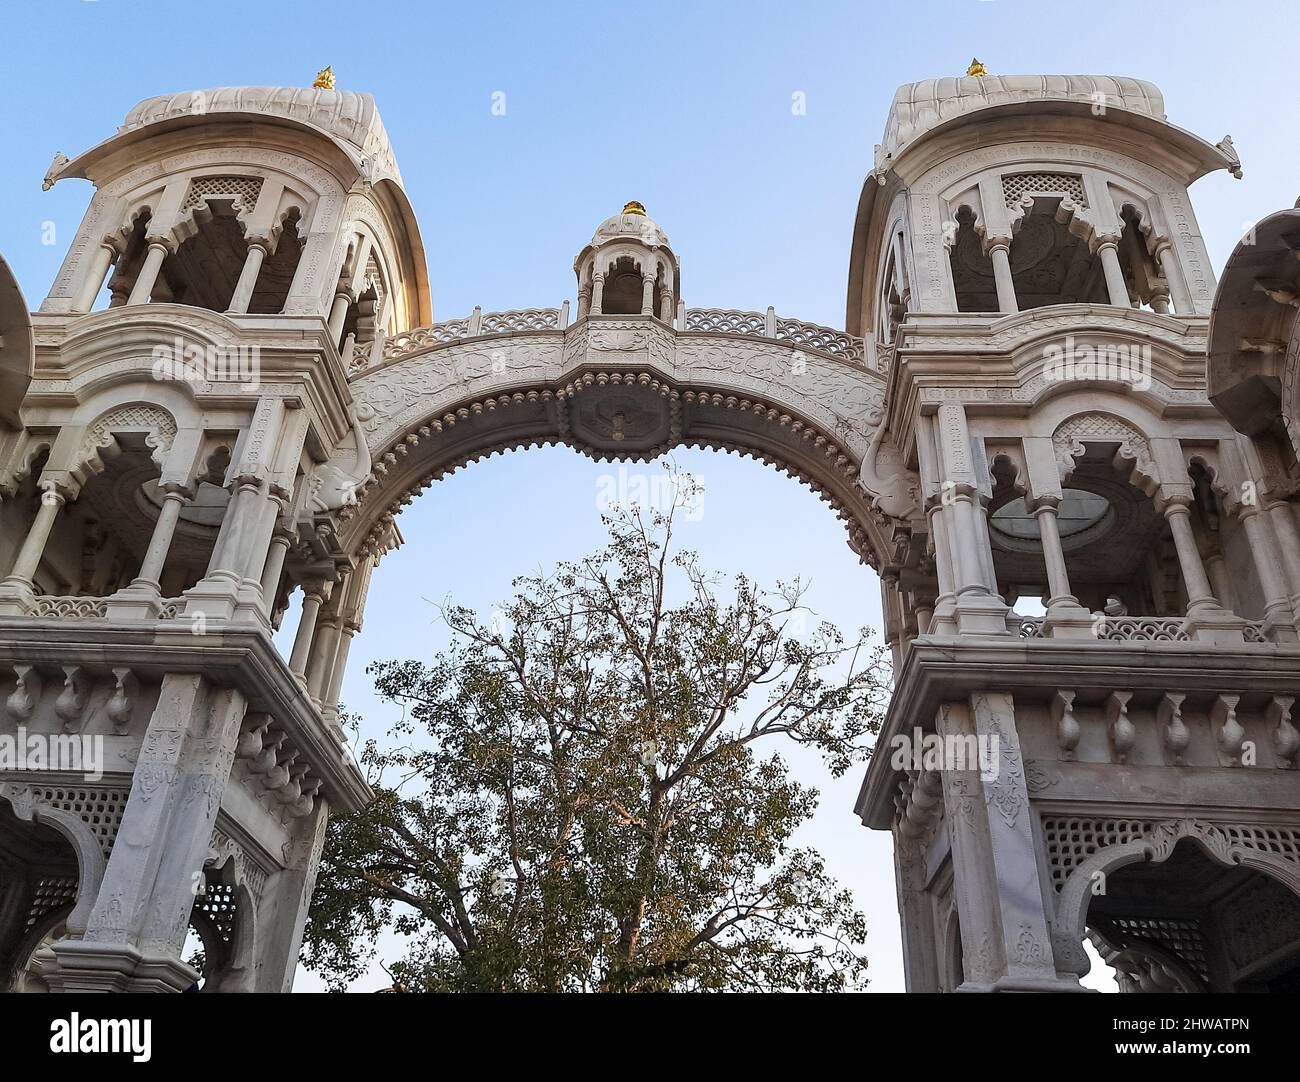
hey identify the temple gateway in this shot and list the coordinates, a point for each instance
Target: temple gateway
(1070, 456)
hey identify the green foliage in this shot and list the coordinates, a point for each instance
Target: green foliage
(585, 795)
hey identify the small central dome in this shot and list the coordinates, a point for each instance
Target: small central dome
(629, 268)
(631, 222)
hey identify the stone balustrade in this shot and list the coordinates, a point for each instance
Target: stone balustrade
(810, 336)
(1133, 628)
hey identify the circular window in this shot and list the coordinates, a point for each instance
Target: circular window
(1078, 511)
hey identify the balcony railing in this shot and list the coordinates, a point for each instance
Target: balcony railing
(1132, 628)
(801, 335)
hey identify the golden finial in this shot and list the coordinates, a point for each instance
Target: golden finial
(324, 79)
(977, 68)
(633, 207)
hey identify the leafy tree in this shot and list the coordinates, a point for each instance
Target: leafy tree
(587, 797)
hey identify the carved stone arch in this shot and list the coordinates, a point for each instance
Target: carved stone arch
(241, 187)
(1073, 434)
(28, 448)
(156, 424)
(832, 479)
(1017, 471)
(1225, 845)
(968, 200)
(1077, 219)
(226, 922)
(423, 416)
(1220, 470)
(136, 212)
(29, 806)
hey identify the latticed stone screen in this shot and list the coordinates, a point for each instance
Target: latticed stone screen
(246, 189)
(1015, 186)
(52, 892)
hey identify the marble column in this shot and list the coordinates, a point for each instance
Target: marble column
(338, 314)
(1199, 594)
(1116, 287)
(1288, 540)
(1049, 533)
(1277, 600)
(997, 876)
(94, 281)
(999, 250)
(1178, 294)
(315, 594)
(243, 295)
(33, 547)
(155, 557)
(148, 277)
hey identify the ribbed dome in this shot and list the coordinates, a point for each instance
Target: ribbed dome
(345, 115)
(630, 224)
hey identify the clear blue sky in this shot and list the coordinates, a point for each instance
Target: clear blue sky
(685, 106)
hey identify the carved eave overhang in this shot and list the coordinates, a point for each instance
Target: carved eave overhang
(244, 658)
(939, 670)
(17, 347)
(1254, 345)
(1002, 362)
(124, 153)
(347, 121)
(80, 355)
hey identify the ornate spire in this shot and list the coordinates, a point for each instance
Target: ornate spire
(633, 207)
(977, 68)
(324, 79)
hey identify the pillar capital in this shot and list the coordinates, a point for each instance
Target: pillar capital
(1108, 239)
(164, 241)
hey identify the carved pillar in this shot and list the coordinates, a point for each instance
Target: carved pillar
(1277, 603)
(338, 314)
(33, 547)
(325, 641)
(943, 623)
(1116, 287)
(315, 594)
(95, 272)
(257, 252)
(597, 292)
(1216, 567)
(282, 912)
(648, 293)
(916, 917)
(1288, 541)
(273, 569)
(999, 250)
(1177, 512)
(155, 558)
(244, 505)
(1178, 293)
(138, 923)
(159, 249)
(1006, 944)
(666, 306)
